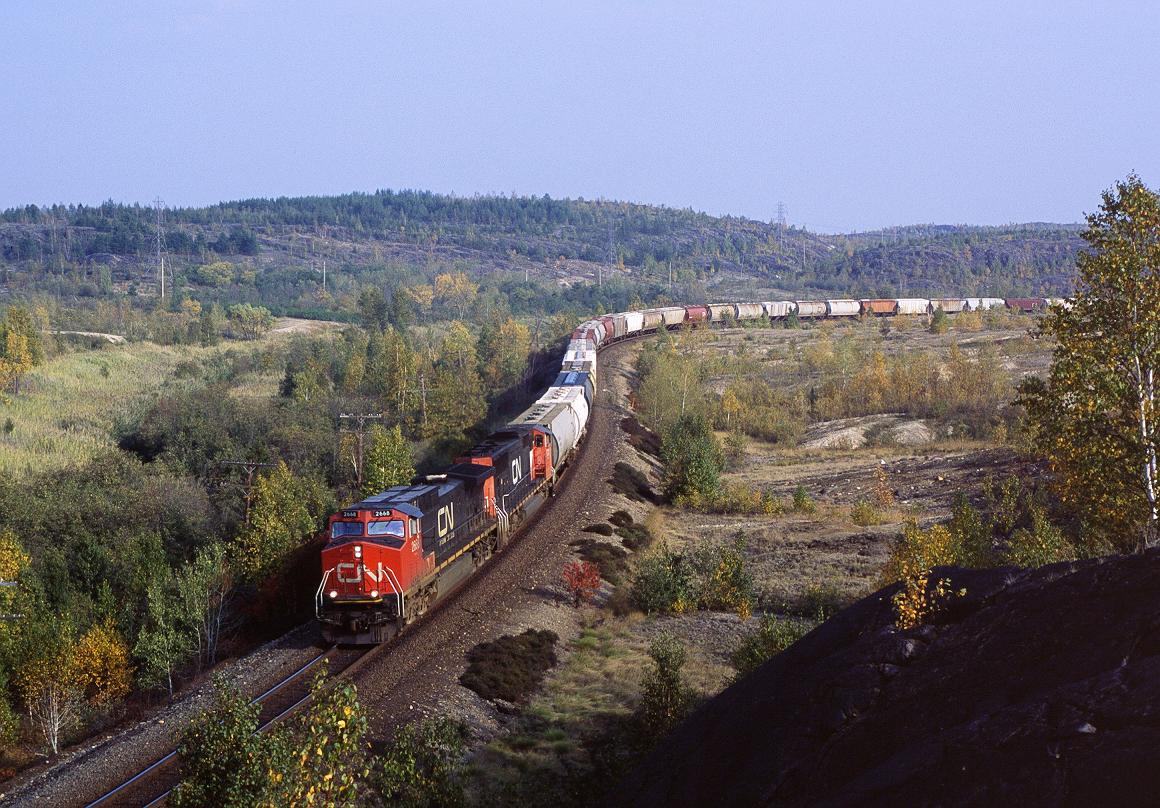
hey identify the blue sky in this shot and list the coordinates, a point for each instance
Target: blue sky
(855, 115)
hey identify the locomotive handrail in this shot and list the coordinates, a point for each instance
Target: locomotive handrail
(318, 595)
(395, 585)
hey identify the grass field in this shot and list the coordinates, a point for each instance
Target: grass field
(67, 407)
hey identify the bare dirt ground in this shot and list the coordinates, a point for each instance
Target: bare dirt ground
(296, 325)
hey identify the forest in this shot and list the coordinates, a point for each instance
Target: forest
(309, 254)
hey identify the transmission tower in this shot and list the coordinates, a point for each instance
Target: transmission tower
(159, 207)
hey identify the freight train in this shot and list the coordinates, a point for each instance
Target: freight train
(390, 557)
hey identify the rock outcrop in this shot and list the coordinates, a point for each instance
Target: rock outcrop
(1036, 687)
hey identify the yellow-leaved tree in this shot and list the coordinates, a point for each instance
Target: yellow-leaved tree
(1094, 418)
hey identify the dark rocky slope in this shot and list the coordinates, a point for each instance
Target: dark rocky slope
(1036, 688)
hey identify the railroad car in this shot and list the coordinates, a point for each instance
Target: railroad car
(950, 305)
(778, 309)
(577, 378)
(843, 308)
(653, 319)
(609, 328)
(984, 303)
(389, 557)
(913, 305)
(633, 322)
(696, 314)
(748, 311)
(1026, 305)
(880, 307)
(673, 316)
(721, 311)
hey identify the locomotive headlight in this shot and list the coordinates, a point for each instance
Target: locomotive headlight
(374, 593)
(333, 594)
(358, 551)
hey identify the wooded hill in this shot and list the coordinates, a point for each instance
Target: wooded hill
(281, 245)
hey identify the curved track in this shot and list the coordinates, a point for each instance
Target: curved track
(393, 677)
(152, 784)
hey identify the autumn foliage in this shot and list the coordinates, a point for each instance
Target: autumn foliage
(582, 580)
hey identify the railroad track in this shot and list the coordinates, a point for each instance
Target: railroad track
(152, 785)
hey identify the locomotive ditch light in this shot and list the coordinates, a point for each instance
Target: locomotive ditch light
(374, 593)
(333, 594)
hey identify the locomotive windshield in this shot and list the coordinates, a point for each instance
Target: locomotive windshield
(382, 527)
(340, 529)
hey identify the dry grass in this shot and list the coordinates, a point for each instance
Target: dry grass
(68, 406)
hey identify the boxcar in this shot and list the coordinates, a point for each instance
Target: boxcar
(633, 322)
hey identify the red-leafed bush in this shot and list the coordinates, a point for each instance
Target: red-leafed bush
(582, 580)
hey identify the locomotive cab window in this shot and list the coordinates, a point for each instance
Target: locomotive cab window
(414, 526)
(383, 527)
(340, 529)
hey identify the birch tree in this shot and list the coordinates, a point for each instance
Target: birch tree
(1095, 416)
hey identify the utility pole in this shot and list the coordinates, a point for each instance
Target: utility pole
(359, 430)
(611, 256)
(159, 206)
(250, 468)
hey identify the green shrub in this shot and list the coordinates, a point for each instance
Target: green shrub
(773, 636)
(865, 514)
(1042, 543)
(713, 577)
(939, 322)
(802, 502)
(722, 579)
(693, 459)
(422, 767)
(663, 583)
(665, 698)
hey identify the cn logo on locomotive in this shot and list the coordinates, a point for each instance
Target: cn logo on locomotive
(348, 572)
(445, 519)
